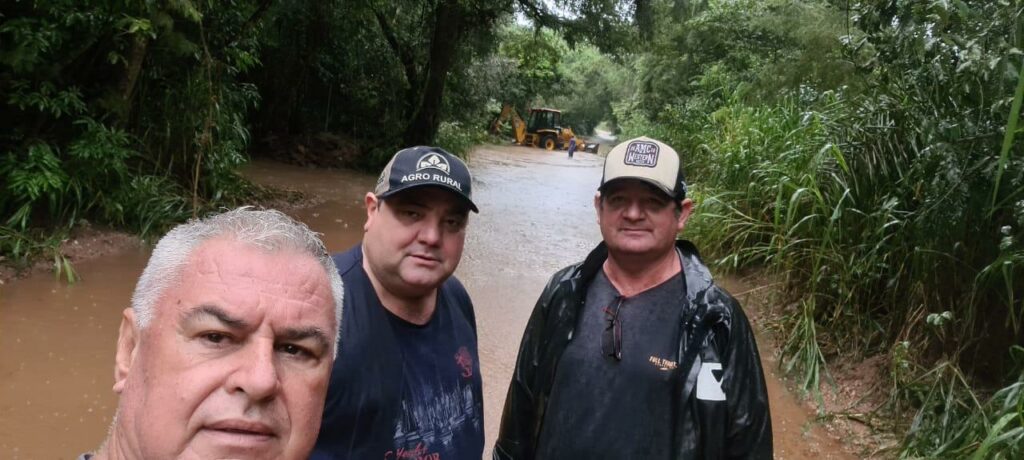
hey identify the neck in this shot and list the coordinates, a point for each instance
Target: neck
(416, 309)
(111, 447)
(633, 275)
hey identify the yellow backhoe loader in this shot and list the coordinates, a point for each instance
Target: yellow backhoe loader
(543, 130)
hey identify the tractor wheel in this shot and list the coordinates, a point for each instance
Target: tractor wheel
(548, 142)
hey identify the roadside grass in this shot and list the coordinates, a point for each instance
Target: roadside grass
(879, 243)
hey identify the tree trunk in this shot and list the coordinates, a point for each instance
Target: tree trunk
(408, 60)
(448, 27)
(131, 76)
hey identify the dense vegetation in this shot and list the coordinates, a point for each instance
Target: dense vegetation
(865, 152)
(139, 114)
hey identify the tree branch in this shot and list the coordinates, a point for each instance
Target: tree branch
(254, 18)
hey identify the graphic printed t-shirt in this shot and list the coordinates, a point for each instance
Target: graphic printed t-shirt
(399, 390)
(442, 413)
(601, 407)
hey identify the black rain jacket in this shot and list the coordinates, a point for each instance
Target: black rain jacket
(713, 330)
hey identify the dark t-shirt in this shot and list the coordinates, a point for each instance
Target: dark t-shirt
(601, 407)
(442, 409)
(399, 390)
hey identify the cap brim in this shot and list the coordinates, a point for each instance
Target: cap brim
(454, 191)
(652, 183)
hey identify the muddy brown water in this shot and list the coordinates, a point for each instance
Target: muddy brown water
(57, 341)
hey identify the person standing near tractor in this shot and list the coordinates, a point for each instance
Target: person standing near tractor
(572, 145)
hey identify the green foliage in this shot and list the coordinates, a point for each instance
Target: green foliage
(873, 164)
(952, 423)
(459, 139)
(151, 203)
(536, 56)
(39, 178)
(117, 115)
(592, 84)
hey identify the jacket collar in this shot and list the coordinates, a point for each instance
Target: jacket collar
(698, 277)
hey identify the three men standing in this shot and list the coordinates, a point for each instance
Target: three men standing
(408, 382)
(635, 352)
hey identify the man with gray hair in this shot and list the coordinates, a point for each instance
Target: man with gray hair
(227, 349)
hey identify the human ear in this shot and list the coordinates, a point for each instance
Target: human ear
(372, 203)
(685, 210)
(127, 345)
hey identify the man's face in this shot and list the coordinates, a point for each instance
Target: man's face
(234, 363)
(638, 220)
(414, 239)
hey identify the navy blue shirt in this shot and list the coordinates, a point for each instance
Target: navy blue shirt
(400, 390)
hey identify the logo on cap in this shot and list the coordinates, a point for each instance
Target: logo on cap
(641, 154)
(435, 161)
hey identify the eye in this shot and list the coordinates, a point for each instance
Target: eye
(616, 201)
(215, 339)
(295, 351)
(454, 223)
(654, 203)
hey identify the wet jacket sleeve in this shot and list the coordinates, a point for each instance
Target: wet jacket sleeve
(524, 407)
(749, 434)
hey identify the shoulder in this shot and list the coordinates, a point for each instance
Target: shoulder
(456, 296)
(454, 287)
(349, 260)
(561, 276)
(567, 273)
(721, 306)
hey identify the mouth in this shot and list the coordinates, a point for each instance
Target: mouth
(236, 431)
(425, 258)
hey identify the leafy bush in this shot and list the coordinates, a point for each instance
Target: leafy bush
(117, 117)
(459, 139)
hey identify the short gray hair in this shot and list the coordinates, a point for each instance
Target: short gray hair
(270, 230)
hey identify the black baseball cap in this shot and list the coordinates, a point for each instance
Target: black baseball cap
(423, 165)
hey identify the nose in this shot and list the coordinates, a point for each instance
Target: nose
(633, 211)
(256, 374)
(430, 232)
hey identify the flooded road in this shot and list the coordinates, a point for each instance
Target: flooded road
(536, 216)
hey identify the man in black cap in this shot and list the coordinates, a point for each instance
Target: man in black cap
(635, 352)
(406, 383)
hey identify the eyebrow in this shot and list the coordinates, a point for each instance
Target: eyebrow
(290, 334)
(314, 333)
(216, 312)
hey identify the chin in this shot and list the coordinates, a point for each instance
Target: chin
(423, 282)
(632, 248)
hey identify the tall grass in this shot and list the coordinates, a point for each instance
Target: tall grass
(889, 196)
(879, 241)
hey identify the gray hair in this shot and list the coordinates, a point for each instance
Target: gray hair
(270, 230)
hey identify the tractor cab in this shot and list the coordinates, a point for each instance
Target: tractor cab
(541, 119)
(544, 130)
